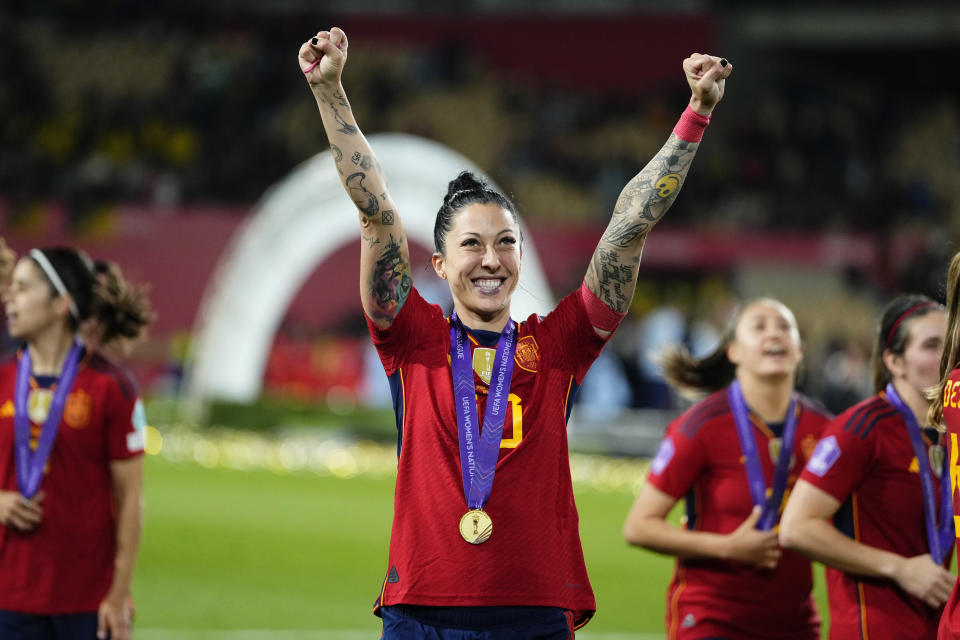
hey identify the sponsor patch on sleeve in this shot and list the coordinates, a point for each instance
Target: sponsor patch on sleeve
(824, 456)
(664, 456)
(137, 438)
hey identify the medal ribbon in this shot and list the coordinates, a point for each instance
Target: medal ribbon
(479, 452)
(748, 445)
(940, 537)
(30, 464)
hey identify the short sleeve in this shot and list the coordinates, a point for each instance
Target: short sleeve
(841, 459)
(126, 423)
(402, 338)
(679, 460)
(570, 327)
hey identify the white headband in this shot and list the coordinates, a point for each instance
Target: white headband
(54, 277)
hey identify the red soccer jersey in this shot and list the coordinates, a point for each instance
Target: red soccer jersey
(866, 461)
(700, 459)
(950, 621)
(534, 557)
(66, 564)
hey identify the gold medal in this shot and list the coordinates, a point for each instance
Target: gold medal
(476, 526)
(936, 455)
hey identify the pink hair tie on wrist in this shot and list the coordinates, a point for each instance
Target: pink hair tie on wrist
(312, 66)
(691, 125)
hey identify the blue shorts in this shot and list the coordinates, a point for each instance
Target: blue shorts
(29, 626)
(405, 622)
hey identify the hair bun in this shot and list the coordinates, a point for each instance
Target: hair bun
(466, 182)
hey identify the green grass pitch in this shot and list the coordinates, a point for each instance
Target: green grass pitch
(228, 549)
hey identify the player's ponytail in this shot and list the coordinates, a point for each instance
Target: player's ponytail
(464, 190)
(694, 377)
(122, 309)
(950, 359)
(96, 291)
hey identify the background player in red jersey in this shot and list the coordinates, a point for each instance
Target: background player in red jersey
(869, 503)
(512, 566)
(945, 411)
(71, 437)
(732, 580)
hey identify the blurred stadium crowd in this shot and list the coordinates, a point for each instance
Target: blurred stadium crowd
(202, 106)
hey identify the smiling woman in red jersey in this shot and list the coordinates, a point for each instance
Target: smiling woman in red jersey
(71, 439)
(873, 503)
(945, 412)
(478, 395)
(734, 457)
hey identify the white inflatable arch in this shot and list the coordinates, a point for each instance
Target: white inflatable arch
(300, 222)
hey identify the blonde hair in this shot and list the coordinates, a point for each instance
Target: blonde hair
(950, 359)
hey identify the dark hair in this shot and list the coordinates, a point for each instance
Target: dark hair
(893, 332)
(100, 292)
(464, 190)
(699, 376)
(950, 359)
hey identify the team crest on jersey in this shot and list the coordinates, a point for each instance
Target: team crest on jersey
(483, 362)
(38, 405)
(6, 411)
(824, 456)
(528, 354)
(76, 412)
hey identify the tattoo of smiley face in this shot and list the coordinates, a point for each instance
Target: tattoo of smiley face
(667, 184)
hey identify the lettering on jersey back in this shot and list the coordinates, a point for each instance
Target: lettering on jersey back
(950, 392)
(954, 477)
(6, 411)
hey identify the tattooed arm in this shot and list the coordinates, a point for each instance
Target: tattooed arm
(612, 274)
(385, 278)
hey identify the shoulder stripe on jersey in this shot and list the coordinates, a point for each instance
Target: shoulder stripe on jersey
(882, 416)
(855, 421)
(692, 424)
(811, 405)
(100, 364)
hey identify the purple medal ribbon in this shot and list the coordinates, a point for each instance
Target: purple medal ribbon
(940, 538)
(748, 445)
(479, 452)
(30, 464)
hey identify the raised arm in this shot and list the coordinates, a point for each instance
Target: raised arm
(385, 278)
(612, 274)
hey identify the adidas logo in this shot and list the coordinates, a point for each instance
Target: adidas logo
(393, 576)
(689, 620)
